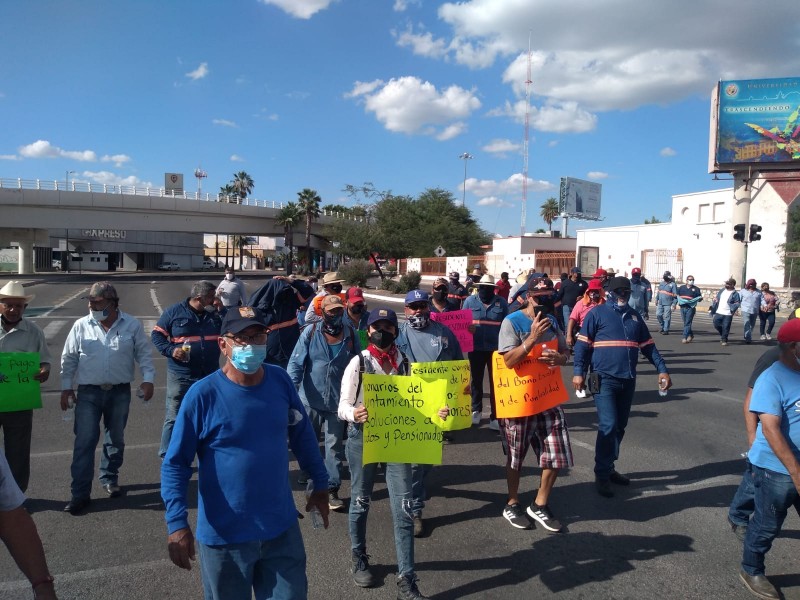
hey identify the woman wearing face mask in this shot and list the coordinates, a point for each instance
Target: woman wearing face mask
(439, 301)
(488, 311)
(688, 297)
(381, 356)
(770, 304)
(594, 296)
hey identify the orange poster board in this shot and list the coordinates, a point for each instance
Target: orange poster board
(529, 388)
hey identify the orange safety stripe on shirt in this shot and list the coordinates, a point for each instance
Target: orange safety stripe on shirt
(616, 344)
(665, 292)
(647, 343)
(282, 324)
(455, 296)
(687, 297)
(193, 338)
(483, 322)
(583, 338)
(160, 330)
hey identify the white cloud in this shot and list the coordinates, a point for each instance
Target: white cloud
(402, 5)
(118, 159)
(266, 115)
(9, 157)
(224, 123)
(494, 201)
(451, 131)
(597, 175)
(109, 178)
(199, 72)
(302, 9)
(421, 44)
(236, 158)
(503, 147)
(567, 117)
(410, 105)
(667, 151)
(507, 187)
(44, 149)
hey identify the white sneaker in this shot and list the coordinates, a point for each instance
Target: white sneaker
(763, 337)
(494, 425)
(476, 417)
(769, 337)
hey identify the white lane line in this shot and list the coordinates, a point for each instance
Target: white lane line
(88, 574)
(70, 299)
(52, 328)
(155, 300)
(581, 444)
(385, 298)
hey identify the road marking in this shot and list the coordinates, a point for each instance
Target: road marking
(88, 574)
(581, 444)
(61, 304)
(155, 300)
(52, 328)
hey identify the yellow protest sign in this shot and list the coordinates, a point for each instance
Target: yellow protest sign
(529, 388)
(456, 375)
(398, 427)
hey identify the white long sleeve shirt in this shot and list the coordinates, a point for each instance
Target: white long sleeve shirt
(348, 400)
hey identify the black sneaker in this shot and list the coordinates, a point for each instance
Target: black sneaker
(361, 573)
(514, 514)
(543, 516)
(334, 502)
(407, 588)
(604, 488)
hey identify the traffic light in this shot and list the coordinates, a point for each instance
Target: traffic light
(738, 230)
(754, 235)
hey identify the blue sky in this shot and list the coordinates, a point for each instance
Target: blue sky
(324, 93)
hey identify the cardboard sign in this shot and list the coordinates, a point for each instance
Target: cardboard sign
(529, 388)
(456, 375)
(458, 321)
(399, 427)
(18, 389)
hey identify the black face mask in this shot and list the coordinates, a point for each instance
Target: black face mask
(485, 293)
(332, 324)
(381, 338)
(335, 288)
(440, 294)
(357, 309)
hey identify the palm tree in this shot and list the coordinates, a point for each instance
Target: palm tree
(308, 202)
(226, 191)
(239, 241)
(288, 217)
(549, 212)
(242, 185)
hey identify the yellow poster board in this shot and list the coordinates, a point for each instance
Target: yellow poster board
(399, 427)
(456, 375)
(529, 388)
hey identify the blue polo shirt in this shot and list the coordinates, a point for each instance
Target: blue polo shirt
(777, 392)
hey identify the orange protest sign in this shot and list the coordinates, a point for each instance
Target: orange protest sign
(529, 388)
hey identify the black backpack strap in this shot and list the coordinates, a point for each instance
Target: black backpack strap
(362, 368)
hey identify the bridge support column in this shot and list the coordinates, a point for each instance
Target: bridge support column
(26, 256)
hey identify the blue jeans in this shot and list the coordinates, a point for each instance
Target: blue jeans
(743, 501)
(664, 316)
(722, 323)
(767, 321)
(613, 408)
(334, 431)
(565, 312)
(418, 492)
(775, 493)
(92, 404)
(177, 387)
(272, 569)
(687, 314)
(480, 361)
(398, 482)
(749, 323)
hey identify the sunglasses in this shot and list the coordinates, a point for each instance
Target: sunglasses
(417, 306)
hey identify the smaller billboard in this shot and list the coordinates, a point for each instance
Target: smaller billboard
(580, 199)
(173, 183)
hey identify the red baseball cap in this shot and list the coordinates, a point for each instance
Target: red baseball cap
(595, 284)
(355, 295)
(636, 271)
(599, 273)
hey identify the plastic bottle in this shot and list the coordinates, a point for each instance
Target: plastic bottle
(662, 387)
(316, 516)
(69, 414)
(140, 396)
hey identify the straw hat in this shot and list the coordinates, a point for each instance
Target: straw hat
(14, 289)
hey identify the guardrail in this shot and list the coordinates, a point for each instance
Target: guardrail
(104, 188)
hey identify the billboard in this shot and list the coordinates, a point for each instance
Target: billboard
(580, 199)
(173, 183)
(754, 123)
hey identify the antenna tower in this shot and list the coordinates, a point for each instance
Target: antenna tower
(200, 174)
(525, 143)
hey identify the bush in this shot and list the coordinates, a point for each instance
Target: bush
(355, 272)
(409, 281)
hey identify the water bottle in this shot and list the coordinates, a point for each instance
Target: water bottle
(69, 414)
(140, 396)
(316, 516)
(662, 387)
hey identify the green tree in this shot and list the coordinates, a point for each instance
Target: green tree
(240, 241)
(288, 218)
(242, 185)
(308, 202)
(549, 212)
(226, 191)
(652, 220)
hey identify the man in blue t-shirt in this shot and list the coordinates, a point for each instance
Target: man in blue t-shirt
(774, 456)
(236, 421)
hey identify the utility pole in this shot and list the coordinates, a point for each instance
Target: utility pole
(465, 157)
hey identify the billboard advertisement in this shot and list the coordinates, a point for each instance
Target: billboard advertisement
(173, 183)
(580, 199)
(754, 123)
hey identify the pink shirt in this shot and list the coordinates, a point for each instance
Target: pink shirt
(579, 312)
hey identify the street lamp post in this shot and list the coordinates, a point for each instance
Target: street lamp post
(66, 179)
(465, 157)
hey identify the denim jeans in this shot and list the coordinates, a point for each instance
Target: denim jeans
(479, 362)
(749, 323)
(334, 430)
(274, 569)
(722, 323)
(565, 312)
(613, 408)
(93, 404)
(687, 314)
(767, 321)
(775, 493)
(177, 387)
(418, 492)
(664, 316)
(743, 501)
(17, 427)
(398, 482)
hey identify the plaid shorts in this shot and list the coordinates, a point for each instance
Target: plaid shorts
(546, 433)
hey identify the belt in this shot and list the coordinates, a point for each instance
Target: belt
(104, 386)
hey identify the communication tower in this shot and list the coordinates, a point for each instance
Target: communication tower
(525, 143)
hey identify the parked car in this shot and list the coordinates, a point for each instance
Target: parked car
(209, 264)
(57, 263)
(169, 266)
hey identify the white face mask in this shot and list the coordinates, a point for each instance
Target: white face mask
(99, 315)
(229, 276)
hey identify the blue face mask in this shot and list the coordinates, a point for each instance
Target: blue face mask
(248, 359)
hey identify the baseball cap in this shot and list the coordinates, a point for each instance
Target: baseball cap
(599, 273)
(667, 274)
(636, 271)
(239, 318)
(595, 284)
(382, 314)
(751, 282)
(730, 281)
(439, 281)
(355, 294)
(332, 301)
(453, 275)
(789, 332)
(416, 296)
(619, 283)
(575, 270)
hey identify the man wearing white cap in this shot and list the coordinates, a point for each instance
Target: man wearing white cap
(18, 334)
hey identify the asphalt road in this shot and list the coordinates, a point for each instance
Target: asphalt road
(664, 537)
